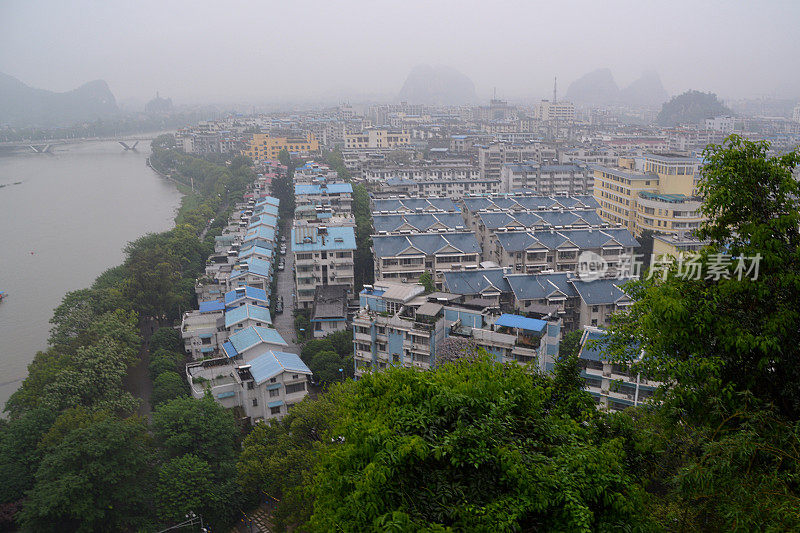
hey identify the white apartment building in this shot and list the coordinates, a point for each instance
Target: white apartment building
(548, 111)
(569, 179)
(323, 256)
(264, 387)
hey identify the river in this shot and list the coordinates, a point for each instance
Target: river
(64, 219)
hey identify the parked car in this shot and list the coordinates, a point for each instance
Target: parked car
(283, 250)
(279, 305)
(283, 238)
(281, 265)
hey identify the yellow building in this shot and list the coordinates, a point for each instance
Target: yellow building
(662, 199)
(263, 147)
(377, 138)
(664, 245)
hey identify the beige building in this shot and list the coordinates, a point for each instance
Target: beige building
(264, 147)
(662, 197)
(377, 138)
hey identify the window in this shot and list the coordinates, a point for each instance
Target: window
(274, 392)
(250, 385)
(272, 380)
(594, 309)
(275, 410)
(294, 376)
(255, 402)
(295, 387)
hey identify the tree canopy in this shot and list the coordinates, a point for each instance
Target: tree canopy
(469, 446)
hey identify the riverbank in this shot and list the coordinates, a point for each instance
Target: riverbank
(85, 216)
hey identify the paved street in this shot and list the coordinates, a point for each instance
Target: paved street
(284, 322)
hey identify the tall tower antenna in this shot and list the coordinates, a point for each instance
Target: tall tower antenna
(494, 97)
(555, 85)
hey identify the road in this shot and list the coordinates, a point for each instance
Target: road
(284, 322)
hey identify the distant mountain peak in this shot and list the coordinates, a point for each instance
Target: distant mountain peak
(21, 105)
(437, 85)
(599, 88)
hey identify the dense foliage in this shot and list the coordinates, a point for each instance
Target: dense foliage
(74, 456)
(691, 107)
(363, 264)
(331, 357)
(470, 446)
(728, 345)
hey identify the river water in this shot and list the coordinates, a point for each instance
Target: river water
(64, 219)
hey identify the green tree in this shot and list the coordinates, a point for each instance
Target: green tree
(168, 386)
(185, 484)
(426, 280)
(570, 345)
(471, 446)
(342, 342)
(729, 348)
(77, 311)
(284, 157)
(311, 348)
(737, 334)
(363, 262)
(93, 380)
(278, 458)
(19, 453)
(201, 427)
(326, 367)
(96, 479)
(166, 339)
(164, 361)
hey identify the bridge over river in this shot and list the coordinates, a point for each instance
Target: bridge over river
(46, 146)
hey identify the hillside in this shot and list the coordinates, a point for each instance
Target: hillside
(437, 85)
(599, 88)
(21, 105)
(646, 91)
(595, 88)
(691, 107)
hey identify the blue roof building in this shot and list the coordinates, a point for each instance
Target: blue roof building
(243, 342)
(245, 316)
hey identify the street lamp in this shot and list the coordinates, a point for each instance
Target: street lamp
(341, 373)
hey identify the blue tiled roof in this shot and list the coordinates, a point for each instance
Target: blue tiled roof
(269, 200)
(476, 281)
(264, 219)
(538, 286)
(419, 221)
(210, 307)
(272, 363)
(241, 293)
(256, 249)
(229, 350)
(252, 336)
(589, 350)
(260, 232)
(412, 204)
(240, 314)
(331, 188)
(600, 291)
(392, 245)
(338, 238)
(521, 322)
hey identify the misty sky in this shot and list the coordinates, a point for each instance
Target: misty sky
(258, 52)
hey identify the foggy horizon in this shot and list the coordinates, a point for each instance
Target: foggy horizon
(258, 54)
